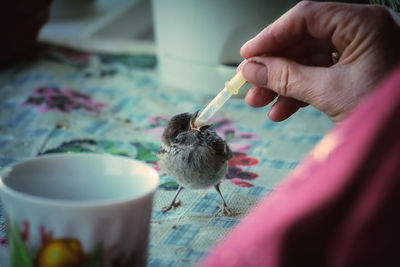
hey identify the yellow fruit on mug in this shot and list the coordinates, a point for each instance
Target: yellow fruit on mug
(66, 252)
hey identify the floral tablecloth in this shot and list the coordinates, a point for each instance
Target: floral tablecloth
(74, 101)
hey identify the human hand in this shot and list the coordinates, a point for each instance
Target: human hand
(299, 69)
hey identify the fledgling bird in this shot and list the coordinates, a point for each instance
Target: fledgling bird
(195, 157)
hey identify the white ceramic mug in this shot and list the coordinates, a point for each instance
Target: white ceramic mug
(198, 41)
(78, 209)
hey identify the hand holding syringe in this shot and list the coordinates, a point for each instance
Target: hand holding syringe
(231, 88)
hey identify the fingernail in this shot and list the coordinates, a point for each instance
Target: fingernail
(240, 66)
(244, 45)
(255, 72)
(270, 112)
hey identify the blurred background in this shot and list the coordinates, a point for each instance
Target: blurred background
(107, 25)
(197, 40)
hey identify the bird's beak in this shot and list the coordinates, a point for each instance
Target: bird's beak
(195, 115)
(205, 127)
(193, 120)
(193, 126)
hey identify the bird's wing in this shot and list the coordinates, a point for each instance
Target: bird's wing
(220, 146)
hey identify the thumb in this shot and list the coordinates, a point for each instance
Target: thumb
(287, 78)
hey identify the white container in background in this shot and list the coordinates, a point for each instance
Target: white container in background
(198, 41)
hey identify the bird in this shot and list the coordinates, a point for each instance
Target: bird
(196, 157)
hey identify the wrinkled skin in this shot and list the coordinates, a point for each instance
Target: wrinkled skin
(292, 58)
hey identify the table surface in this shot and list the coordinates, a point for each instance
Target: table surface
(73, 101)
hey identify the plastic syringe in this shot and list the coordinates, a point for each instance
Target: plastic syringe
(231, 88)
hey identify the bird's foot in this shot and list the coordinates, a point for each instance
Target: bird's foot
(172, 206)
(225, 210)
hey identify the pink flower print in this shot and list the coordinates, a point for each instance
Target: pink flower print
(157, 125)
(154, 164)
(158, 121)
(249, 136)
(156, 131)
(239, 147)
(238, 173)
(63, 101)
(240, 183)
(241, 159)
(235, 174)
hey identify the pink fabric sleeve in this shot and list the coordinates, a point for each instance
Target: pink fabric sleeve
(339, 207)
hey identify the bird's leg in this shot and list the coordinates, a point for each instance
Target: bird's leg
(173, 204)
(224, 208)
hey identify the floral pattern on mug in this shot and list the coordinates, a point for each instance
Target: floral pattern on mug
(58, 252)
